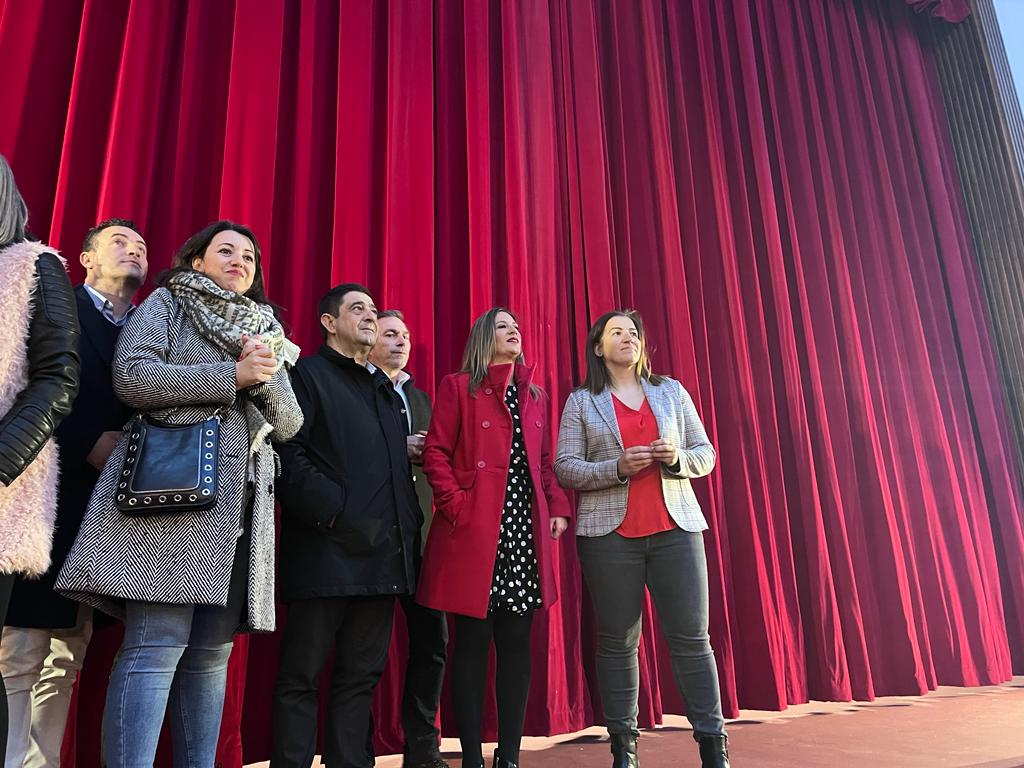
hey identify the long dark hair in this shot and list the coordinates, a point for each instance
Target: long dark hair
(196, 246)
(597, 372)
(476, 358)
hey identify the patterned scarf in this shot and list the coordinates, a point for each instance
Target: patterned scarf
(223, 318)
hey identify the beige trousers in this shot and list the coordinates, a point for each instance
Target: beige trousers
(39, 667)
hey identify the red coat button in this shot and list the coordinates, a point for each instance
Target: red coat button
(539, 423)
(486, 424)
(488, 391)
(481, 464)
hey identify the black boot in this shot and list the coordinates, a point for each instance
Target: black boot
(501, 762)
(714, 751)
(624, 750)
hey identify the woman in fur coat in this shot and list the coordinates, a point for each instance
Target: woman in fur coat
(38, 381)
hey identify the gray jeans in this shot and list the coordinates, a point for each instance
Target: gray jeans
(672, 565)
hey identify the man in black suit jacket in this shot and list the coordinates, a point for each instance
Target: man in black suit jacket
(46, 635)
(428, 629)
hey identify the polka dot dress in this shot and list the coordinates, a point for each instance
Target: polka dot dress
(515, 586)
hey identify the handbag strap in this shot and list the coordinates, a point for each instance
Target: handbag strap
(139, 415)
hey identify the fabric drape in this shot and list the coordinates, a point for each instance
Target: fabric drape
(770, 183)
(948, 10)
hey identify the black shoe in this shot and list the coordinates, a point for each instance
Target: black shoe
(501, 762)
(714, 751)
(624, 750)
(434, 762)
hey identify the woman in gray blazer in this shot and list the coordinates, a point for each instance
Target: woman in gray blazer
(629, 443)
(206, 342)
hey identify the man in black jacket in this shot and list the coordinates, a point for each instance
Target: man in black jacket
(428, 629)
(349, 537)
(46, 635)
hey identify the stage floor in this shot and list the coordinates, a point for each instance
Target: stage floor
(948, 728)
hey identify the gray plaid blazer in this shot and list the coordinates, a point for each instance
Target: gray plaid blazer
(165, 368)
(589, 446)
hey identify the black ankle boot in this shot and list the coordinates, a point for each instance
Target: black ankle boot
(624, 750)
(501, 762)
(714, 751)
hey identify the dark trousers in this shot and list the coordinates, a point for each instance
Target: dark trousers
(424, 675)
(511, 635)
(6, 585)
(672, 566)
(358, 630)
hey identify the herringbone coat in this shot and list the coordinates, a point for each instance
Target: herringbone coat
(165, 368)
(589, 446)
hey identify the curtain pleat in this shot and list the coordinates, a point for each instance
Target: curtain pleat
(770, 183)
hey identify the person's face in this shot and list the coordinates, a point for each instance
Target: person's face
(391, 350)
(229, 260)
(118, 253)
(508, 343)
(620, 343)
(356, 322)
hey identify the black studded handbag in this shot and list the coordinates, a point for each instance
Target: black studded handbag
(169, 469)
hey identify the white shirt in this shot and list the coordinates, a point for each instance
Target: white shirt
(399, 383)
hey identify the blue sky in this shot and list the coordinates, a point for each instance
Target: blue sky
(1011, 21)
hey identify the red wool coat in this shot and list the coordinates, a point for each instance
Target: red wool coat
(466, 460)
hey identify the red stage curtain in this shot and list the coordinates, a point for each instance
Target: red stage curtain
(950, 10)
(769, 182)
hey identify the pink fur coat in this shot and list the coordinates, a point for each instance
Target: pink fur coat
(28, 506)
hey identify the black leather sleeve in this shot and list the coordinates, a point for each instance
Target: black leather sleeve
(53, 365)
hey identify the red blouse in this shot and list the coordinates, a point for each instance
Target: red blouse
(646, 512)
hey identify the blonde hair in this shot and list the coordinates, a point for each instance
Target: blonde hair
(476, 358)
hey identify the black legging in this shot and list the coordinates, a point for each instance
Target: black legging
(511, 633)
(6, 585)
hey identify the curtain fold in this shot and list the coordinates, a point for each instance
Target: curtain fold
(770, 183)
(950, 10)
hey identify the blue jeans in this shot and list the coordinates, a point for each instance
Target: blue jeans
(176, 657)
(673, 567)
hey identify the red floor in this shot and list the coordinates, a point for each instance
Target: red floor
(951, 727)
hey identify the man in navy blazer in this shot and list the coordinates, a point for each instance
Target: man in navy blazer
(46, 635)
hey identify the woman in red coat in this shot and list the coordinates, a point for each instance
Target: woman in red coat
(488, 554)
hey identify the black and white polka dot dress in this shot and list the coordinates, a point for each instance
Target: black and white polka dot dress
(515, 586)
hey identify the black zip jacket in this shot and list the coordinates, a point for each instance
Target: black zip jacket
(350, 523)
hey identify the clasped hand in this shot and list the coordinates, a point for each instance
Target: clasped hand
(256, 364)
(639, 457)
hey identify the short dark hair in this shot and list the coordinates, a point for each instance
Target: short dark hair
(385, 313)
(330, 303)
(597, 377)
(90, 237)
